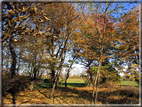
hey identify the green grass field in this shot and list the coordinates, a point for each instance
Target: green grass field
(134, 83)
(81, 83)
(73, 81)
(124, 83)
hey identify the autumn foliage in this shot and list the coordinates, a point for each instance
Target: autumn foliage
(47, 38)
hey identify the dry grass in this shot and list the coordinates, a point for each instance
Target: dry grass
(109, 84)
(77, 95)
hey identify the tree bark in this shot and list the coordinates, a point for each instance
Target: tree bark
(96, 96)
(13, 55)
(52, 91)
(66, 79)
(57, 82)
(53, 77)
(54, 84)
(74, 58)
(34, 71)
(96, 80)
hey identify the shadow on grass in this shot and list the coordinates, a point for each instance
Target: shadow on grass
(73, 84)
(115, 97)
(129, 85)
(44, 85)
(48, 85)
(118, 96)
(42, 93)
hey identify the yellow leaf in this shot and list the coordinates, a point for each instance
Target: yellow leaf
(48, 29)
(25, 17)
(25, 9)
(35, 9)
(40, 20)
(9, 23)
(7, 34)
(11, 12)
(15, 40)
(45, 18)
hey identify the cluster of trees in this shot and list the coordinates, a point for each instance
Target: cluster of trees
(37, 37)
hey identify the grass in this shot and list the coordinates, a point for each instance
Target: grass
(77, 93)
(127, 83)
(72, 81)
(81, 83)
(75, 81)
(123, 83)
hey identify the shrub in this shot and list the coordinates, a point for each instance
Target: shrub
(129, 91)
(47, 80)
(109, 84)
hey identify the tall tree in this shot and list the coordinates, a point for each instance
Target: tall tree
(128, 43)
(16, 27)
(63, 24)
(100, 23)
(14, 15)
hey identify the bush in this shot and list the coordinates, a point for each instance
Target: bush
(130, 91)
(109, 84)
(75, 76)
(16, 84)
(47, 80)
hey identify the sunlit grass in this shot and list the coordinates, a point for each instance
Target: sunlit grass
(72, 81)
(134, 83)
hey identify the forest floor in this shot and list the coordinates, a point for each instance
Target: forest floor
(78, 94)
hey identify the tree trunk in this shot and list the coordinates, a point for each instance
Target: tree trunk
(54, 84)
(13, 98)
(69, 70)
(57, 83)
(34, 71)
(66, 79)
(53, 77)
(97, 88)
(13, 55)
(94, 85)
(97, 78)
(52, 91)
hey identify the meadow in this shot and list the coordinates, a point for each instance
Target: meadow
(78, 93)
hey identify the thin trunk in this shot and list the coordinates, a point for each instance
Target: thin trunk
(97, 77)
(97, 89)
(101, 52)
(54, 84)
(90, 73)
(69, 69)
(57, 82)
(53, 77)
(66, 79)
(52, 91)
(94, 85)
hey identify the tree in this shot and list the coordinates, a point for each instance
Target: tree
(100, 28)
(15, 29)
(13, 18)
(107, 72)
(73, 51)
(64, 21)
(128, 43)
(17, 18)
